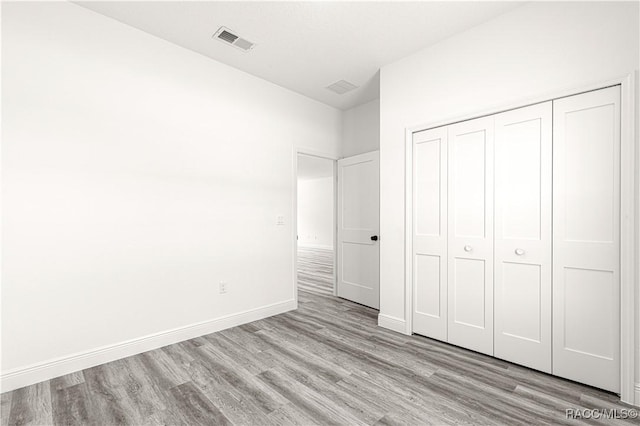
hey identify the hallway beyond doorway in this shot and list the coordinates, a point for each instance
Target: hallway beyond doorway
(315, 270)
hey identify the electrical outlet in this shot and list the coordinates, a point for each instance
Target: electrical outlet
(223, 287)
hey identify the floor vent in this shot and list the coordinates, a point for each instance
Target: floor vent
(341, 87)
(227, 36)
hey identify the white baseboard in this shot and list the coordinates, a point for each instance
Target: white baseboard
(637, 395)
(29, 375)
(392, 323)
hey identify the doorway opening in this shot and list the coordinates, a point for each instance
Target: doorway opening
(316, 225)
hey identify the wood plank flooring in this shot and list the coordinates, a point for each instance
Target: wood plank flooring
(326, 363)
(315, 270)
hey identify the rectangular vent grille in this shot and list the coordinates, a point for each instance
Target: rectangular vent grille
(341, 87)
(227, 36)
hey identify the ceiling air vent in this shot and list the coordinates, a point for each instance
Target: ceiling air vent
(341, 87)
(227, 36)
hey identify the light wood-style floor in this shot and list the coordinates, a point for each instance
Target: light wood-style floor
(326, 363)
(315, 270)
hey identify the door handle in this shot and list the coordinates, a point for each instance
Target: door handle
(519, 252)
(374, 238)
(468, 248)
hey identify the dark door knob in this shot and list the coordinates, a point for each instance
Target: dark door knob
(374, 238)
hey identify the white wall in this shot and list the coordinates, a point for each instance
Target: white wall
(315, 212)
(136, 176)
(361, 129)
(534, 50)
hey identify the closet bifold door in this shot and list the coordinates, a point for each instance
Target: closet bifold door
(523, 236)
(470, 232)
(586, 238)
(430, 233)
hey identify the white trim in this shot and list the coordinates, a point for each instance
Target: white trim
(294, 216)
(408, 236)
(628, 255)
(335, 228)
(637, 392)
(392, 323)
(498, 108)
(627, 240)
(318, 246)
(25, 376)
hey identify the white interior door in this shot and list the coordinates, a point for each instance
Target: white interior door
(470, 230)
(523, 236)
(430, 233)
(586, 238)
(358, 225)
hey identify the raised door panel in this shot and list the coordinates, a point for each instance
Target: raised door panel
(585, 291)
(428, 294)
(519, 310)
(470, 234)
(429, 312)
(469, 287)
(586, 240)
(589, 169)
(523, 236)
(469, 166)
(428, 182)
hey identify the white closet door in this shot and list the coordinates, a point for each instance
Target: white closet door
(523, 236)
(430, 233)
(470, 230)
(586, 238)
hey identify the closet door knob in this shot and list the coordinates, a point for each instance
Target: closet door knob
(468, 248)
(519, 252)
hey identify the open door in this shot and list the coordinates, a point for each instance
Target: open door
(358, 226)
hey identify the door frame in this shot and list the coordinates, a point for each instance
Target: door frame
(334, 160)
(629, 223)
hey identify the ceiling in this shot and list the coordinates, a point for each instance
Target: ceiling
(310, 167)
(306, 46)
